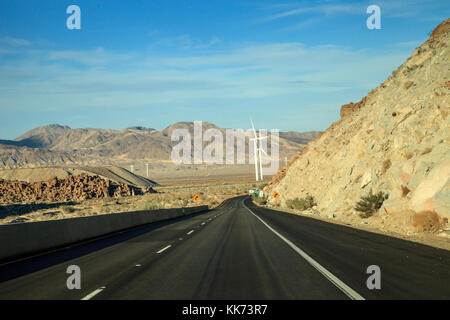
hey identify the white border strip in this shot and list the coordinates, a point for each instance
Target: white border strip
(352, 294)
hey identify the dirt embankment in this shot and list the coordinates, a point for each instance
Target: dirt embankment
(72, 188)
(113, 173)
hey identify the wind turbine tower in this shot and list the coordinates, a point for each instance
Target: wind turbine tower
(255, 148)
(258, 151)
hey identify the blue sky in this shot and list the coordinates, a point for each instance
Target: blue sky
(289, 65)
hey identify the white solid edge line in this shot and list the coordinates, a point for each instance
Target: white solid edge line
(94, 293)
(165, 248)
(190, 232)
(332, 278)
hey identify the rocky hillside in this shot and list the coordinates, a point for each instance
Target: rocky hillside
(395, 140)
(57, 145)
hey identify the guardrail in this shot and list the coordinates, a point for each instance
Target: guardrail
(25, 239)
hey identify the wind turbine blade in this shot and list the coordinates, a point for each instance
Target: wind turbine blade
(253, 127)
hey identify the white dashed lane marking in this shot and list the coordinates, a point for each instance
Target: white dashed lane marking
(97, 291)
(94, 293)
(165, 248)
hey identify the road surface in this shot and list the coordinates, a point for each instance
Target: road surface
(238, 251)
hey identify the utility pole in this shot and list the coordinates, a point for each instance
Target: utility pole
(147, 169)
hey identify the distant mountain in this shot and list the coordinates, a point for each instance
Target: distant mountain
(60, 145)
(300, 137)
(17, 156)
(42, 137)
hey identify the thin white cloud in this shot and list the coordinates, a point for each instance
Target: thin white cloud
(418, 9)
(287, 14)
(14, 42)
(409, 44)
(326, 9)
(185, 41)
(302, 24)
(96, 57)
(48, 80)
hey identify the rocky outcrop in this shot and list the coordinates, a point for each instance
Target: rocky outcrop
(72, 188)
(395, 140)
(352, 107)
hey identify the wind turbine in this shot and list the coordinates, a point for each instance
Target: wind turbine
(257, 151)
(260, 157)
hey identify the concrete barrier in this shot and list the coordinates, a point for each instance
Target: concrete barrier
(25, 239)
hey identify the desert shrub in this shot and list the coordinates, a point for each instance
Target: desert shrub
(301, 203)
(213, 203)
(259, 200)
(370, 203)
(428, 221)
(68, 209)
(148, 205)
(386, 165)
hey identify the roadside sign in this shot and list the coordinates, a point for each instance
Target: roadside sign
(276, 195)
(197, 198)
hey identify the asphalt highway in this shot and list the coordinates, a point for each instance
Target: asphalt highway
(237, 251)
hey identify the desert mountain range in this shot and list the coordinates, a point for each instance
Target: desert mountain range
(58, 145)
(396, 140)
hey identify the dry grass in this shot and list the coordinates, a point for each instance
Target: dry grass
(428, 221)
(301, 203)
(386, 165)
